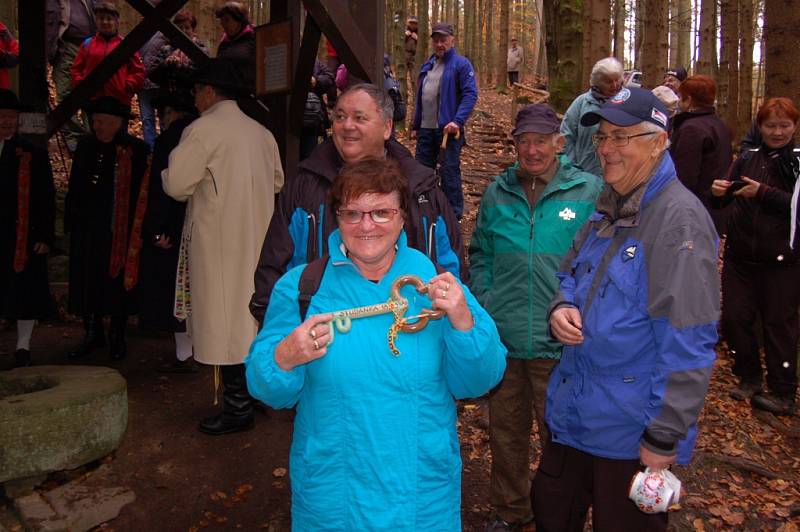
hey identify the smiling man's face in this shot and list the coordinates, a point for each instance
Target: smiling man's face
(359, 130)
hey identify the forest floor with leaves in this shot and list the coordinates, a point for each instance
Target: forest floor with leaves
(745, 474)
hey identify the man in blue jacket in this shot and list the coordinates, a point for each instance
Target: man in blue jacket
(637, 311)
(446, 95)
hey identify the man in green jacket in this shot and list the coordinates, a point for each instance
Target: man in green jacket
(528, 218)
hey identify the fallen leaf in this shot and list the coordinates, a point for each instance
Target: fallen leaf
(698, 525)
(279, 472)
(218, 495)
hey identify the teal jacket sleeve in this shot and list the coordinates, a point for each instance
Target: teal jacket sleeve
(266, 381)
(474, 360)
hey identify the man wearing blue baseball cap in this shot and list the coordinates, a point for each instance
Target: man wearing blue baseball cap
(636, 310)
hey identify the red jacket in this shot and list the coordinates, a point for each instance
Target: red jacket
(9, 55)
(126, 82)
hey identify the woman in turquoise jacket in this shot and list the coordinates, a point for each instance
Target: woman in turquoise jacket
(375, 445)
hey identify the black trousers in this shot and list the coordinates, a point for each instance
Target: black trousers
(513, 77)
(569, 481)
(750, 291)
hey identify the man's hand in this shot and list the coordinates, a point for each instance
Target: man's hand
(656, 462)
(451, 128)
(567, 325)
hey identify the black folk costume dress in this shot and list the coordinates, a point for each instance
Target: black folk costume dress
(27, 211)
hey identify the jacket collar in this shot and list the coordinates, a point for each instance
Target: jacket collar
(565, 177)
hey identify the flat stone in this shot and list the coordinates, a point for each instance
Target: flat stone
(59, 417)
(34, 508)
(83, 507)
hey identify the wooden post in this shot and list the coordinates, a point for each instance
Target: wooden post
(33, 70)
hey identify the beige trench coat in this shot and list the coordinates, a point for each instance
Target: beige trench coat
(228, 168)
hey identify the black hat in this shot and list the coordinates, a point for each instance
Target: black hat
(630, 106)
(106, 7)
(178, 100)
(536, 118)
(108, 105)
(223, 73)
(9, 100)
(442, 28)
(678, 72)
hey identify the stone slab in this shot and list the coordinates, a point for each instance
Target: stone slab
(83, 507)
(81, 417)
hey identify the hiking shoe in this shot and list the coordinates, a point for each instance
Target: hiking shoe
(746, 390)
(780, 405)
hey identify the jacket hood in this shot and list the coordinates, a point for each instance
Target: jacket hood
(326, 163)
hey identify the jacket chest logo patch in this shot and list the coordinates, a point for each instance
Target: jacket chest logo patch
(567, 214)
(628, 253)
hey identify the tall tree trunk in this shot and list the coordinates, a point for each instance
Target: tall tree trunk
(565, 51)
(619, 30)
(781, 23)
(653, 52)
(641, 14)
(539, 48)
(707, 53)
(489, 44)
(682, 19)
(601, 32)
(398, 10)
(728, 77)
(586, 23)
(424, 32)
(500, 65)
(747, 24)
(435, 12)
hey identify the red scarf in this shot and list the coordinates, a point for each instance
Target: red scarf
(122, 195)
(23, 209)
(135, 246)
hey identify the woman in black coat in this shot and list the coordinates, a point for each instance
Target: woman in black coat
(761, 272)
(701, 142)
(163, 225)
(103, 216)
(239, 41)
(27, 209)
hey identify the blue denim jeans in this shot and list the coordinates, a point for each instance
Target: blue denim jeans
(148, 113)
(429, 143)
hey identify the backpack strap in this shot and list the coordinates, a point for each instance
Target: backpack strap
(309, 283)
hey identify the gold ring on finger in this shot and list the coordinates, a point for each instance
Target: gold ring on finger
(312, 333)
(316, 345)
(446, 286)
(443, 293)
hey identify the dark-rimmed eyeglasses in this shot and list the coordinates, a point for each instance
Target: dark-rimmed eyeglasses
(617, 139)
(379, 216)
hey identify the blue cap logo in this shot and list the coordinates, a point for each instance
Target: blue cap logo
(622, 96)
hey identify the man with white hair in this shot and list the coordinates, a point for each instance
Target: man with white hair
(636, 310)
(605, 82)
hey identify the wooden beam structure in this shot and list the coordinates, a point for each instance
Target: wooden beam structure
(354, 28)
(118, 57)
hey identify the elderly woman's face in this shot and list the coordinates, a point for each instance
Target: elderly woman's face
(777, 130)
(609, 85)
(370, 238)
